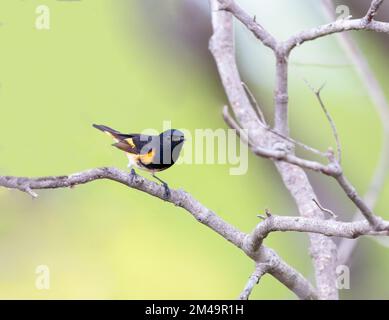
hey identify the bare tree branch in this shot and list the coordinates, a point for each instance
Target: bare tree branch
(374, 6)
(329, 228)
(281, 97)
(233, 124)
(250, 22)
(350, 191)
(282, 155)
(179, 198)
(225, 59)
(250, 244)
(365, 23)
(331, 169)
(298, 143)
(335, 27)
(377, 95)
(258, 109)
(329, 118)
(323, 250)
(278, 268)
(333, 215)
(288, 276)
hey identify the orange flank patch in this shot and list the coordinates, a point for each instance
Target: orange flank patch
(148, 157)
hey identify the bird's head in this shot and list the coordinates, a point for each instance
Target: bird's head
(172, 142)
(173, 136)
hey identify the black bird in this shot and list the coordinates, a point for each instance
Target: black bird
(148, 152)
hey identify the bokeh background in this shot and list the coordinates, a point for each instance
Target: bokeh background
(132, 65)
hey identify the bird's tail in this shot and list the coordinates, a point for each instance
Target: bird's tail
(105, 128)
(111, 132)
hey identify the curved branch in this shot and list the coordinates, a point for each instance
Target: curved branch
(250, 22)
(331, 228)
(335, 27)
(179, 198)
(366, 23)
(278, 268)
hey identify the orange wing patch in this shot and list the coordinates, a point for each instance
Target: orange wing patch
(126, 145)
(130, 142)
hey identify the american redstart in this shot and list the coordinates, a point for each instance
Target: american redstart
(148, 152)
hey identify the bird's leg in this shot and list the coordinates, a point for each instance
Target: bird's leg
(167, 190)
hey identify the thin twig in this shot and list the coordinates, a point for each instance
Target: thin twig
(279, 155)
(317, 93)
(232, 123)
(260, 270)
(255, 104)
(350, 191)
(298, 143)
(374, 6)
(324, 209)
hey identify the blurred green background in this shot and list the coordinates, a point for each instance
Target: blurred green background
(132, 65)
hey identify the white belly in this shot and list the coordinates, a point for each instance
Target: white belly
(132, 161)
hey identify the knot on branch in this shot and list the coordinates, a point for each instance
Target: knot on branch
(333, 169)
(225, 4)
(281, 98)
(204, 216)
(283, 147)
(253, 241)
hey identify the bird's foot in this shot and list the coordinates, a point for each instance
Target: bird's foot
(132, 175)
(167, 194)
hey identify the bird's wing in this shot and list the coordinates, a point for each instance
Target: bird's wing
(135, 143)
(138, 144)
